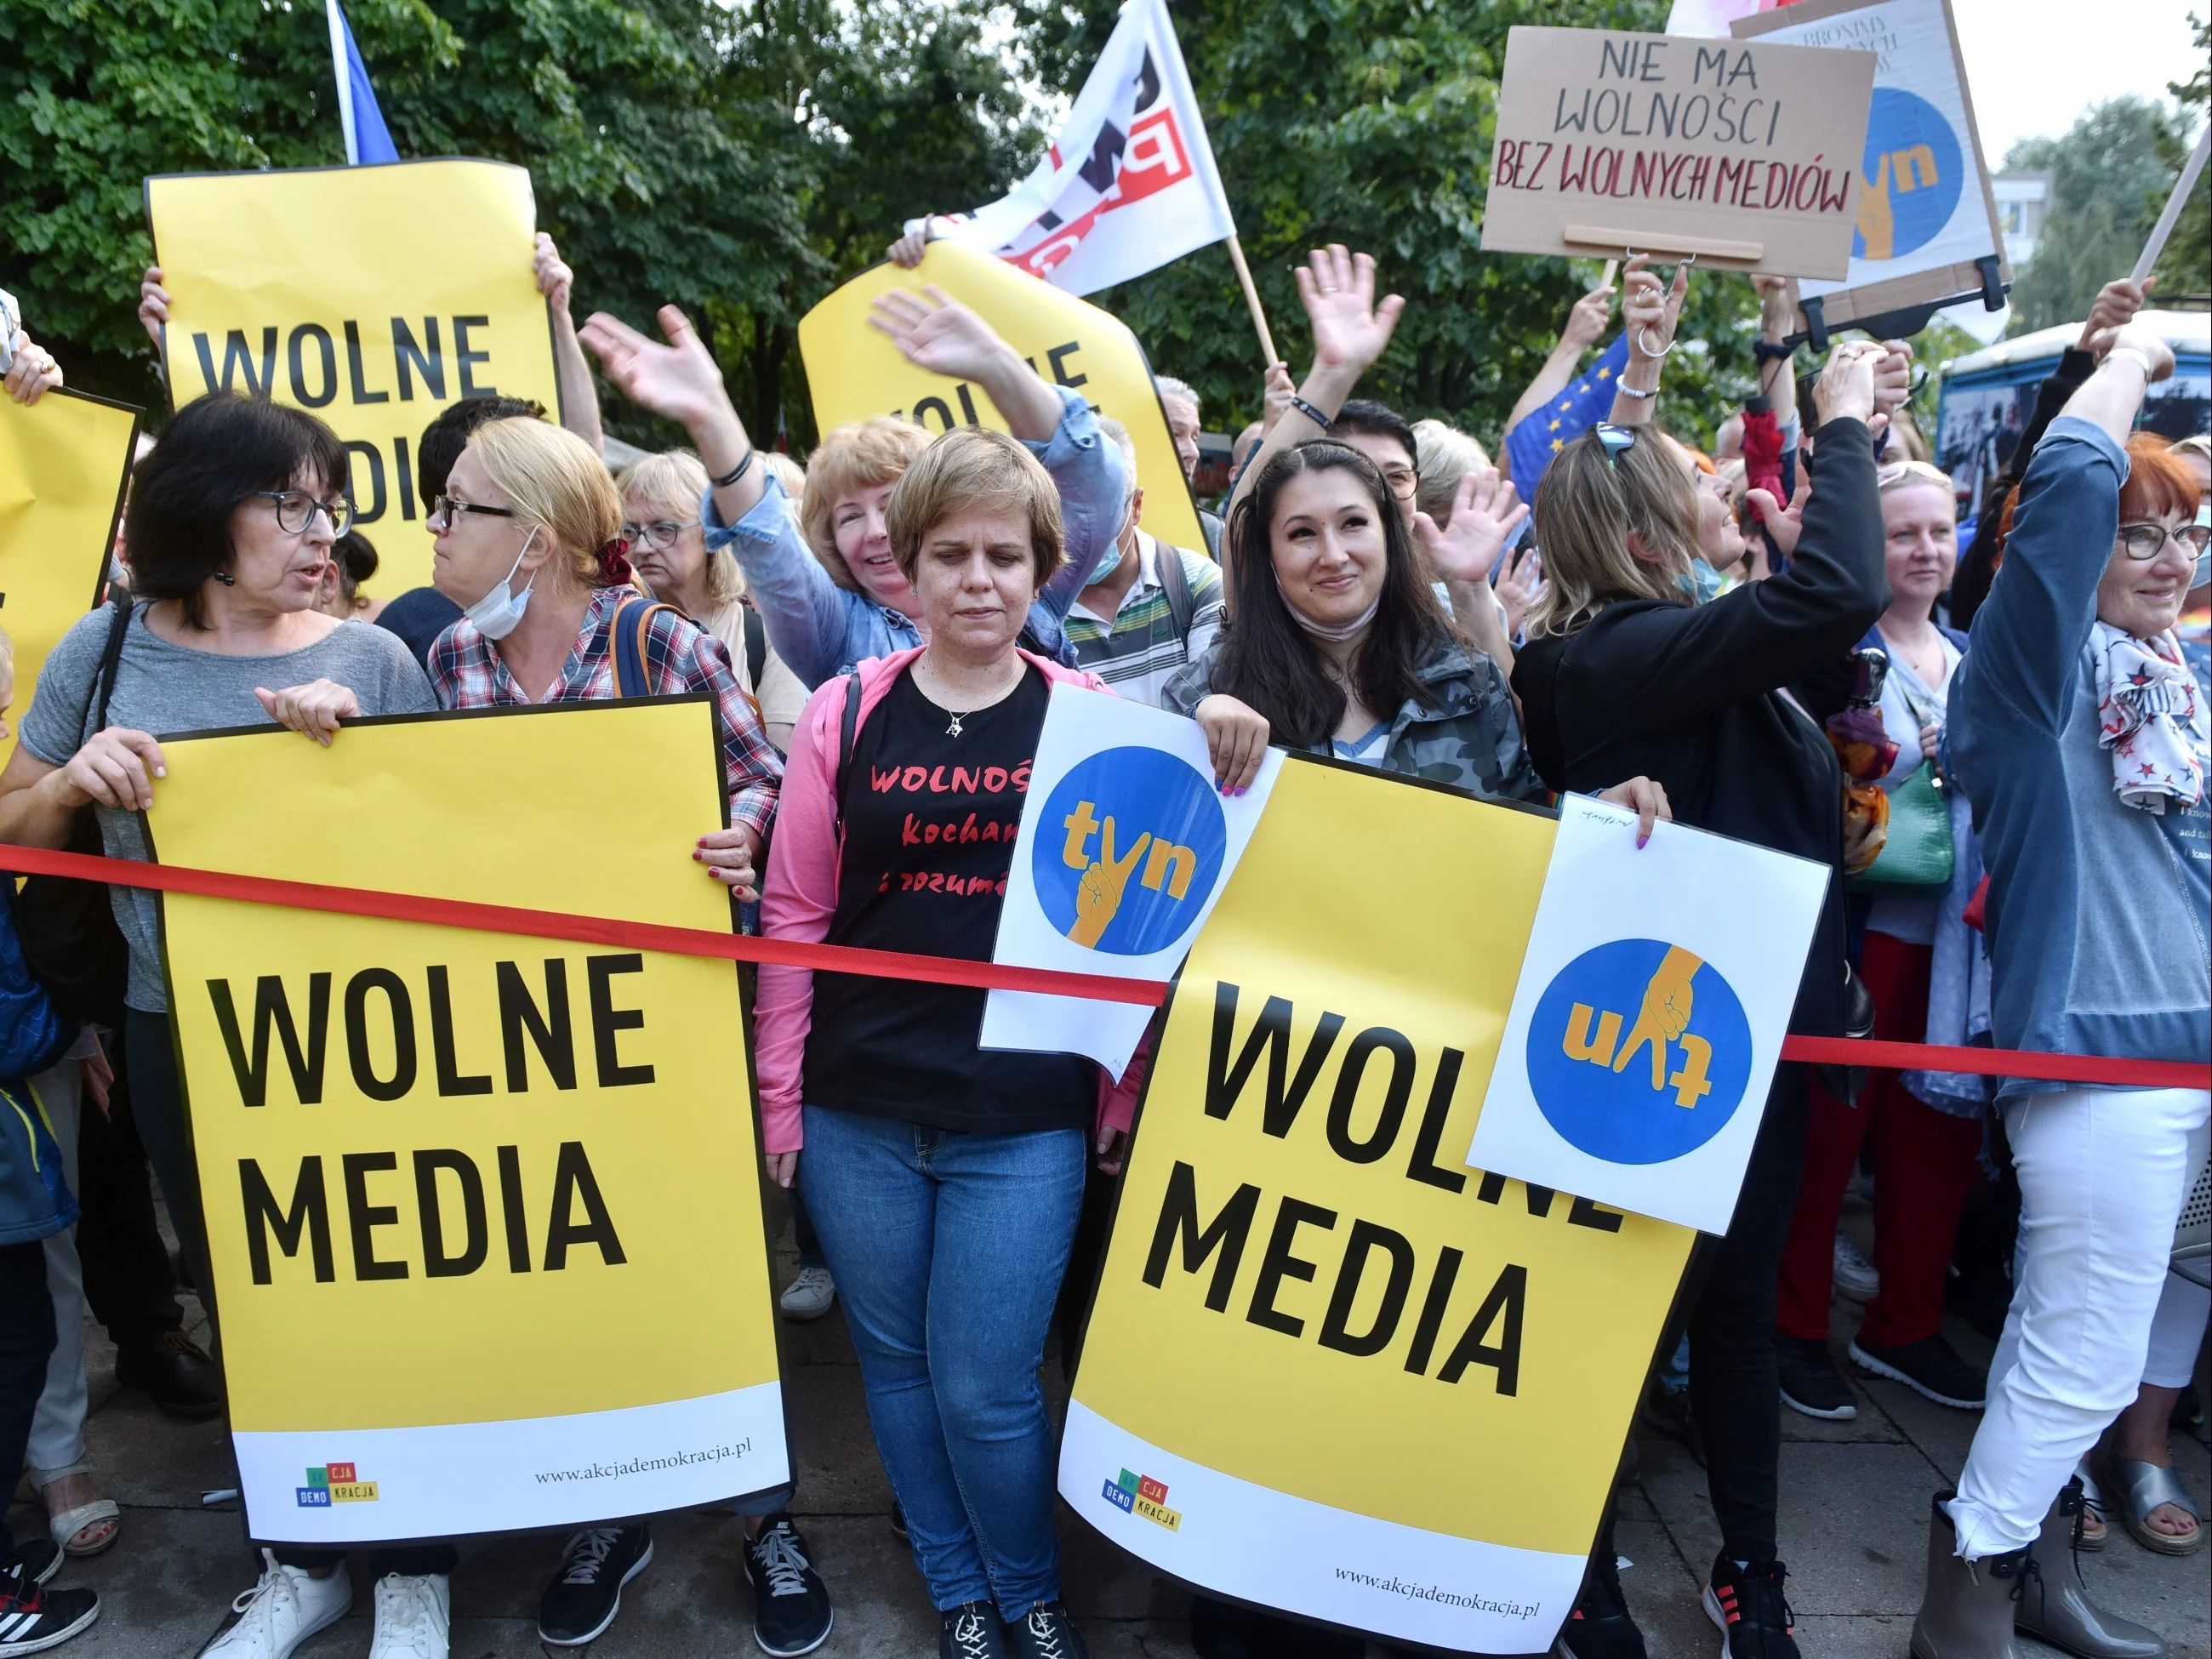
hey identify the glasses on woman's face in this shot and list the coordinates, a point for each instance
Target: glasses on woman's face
(297, 510)
(450, 508)
(2147, 539)
(1403, 481)
(659, 534)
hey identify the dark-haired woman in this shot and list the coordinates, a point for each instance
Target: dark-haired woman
(1625, 671)
(231, 522)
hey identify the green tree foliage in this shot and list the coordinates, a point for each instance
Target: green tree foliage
(2185, 267)
(2109, 175)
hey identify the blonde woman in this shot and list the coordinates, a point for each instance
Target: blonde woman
(660, 497)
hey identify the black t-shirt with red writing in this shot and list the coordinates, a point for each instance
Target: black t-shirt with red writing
(930, 821)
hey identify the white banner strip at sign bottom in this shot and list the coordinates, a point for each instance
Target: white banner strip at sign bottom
(1321, 1562)
(356, 1486)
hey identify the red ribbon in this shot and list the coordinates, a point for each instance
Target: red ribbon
(947, 970)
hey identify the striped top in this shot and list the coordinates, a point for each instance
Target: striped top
(1136, 650)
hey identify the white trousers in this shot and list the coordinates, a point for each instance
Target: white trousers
(58, 1426)
(2102, 1176)
(2176, 1333)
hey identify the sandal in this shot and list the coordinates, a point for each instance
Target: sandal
(2141, 1487)
(86, 1528)
(2094, 1529)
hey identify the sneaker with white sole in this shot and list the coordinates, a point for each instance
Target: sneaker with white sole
(1856, 1279)
(1931, 1368)
(286, 1606)
(412, 1616)
(792, 1614)
(808, 1296)
(34, 1618)
(585, 1593)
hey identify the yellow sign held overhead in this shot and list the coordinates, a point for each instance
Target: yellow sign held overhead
(372, 296)
(456, 1182)
(64, 462)
(855, 372)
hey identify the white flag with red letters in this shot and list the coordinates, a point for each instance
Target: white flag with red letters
(1130, 184)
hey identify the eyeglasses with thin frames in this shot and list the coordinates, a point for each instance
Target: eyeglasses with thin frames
(297, 510)
(1404, 482)
(660, 534)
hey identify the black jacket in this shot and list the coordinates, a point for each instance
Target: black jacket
(1691, 695)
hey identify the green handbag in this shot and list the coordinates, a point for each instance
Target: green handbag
(1916, 860)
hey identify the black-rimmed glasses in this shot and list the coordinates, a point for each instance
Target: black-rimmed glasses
(297, 510)
(451, 507)
(2146, 540)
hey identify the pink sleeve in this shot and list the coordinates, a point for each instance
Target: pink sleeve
(798, 902)
(1117, 1102)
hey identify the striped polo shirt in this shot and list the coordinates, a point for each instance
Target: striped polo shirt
(1136, 650)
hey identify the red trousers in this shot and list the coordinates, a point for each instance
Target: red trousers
(1924, 1164)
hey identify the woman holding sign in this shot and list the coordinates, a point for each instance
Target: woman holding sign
(1626, 671)
(944, 1180)
(836, 594)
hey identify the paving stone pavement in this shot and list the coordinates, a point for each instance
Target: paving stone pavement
(1853, 1531)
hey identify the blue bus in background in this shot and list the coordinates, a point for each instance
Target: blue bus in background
(1989, 396)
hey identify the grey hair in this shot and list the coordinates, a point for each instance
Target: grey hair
(1119, 436)
(1171, 387)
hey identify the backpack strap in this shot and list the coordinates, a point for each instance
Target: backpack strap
(756, 647)
(1181, 607)
(633, 622)
(848, 726)
(103, 679)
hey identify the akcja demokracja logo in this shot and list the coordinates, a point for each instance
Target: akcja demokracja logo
(1640, 1052)
(1132, 844)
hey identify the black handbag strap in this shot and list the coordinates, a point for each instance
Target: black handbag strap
(102, 689)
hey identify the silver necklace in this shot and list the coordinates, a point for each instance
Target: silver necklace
(958, 715)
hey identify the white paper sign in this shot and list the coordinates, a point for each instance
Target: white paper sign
(1648, 1015)
(1125, 846)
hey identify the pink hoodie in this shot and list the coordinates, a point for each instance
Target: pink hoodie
(799, 898)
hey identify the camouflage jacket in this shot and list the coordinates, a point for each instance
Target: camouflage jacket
(1461, 729)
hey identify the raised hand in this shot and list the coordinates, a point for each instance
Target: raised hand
(1519, 585)
(1485, 516)
(1586, 322)
(153, 305)
(1892, 376)
(2116, 306)
(1847, 384)
(1665, 1014)
(1277, 397)
(555, 278)
(1650, 310)
(1350, 330)
(679, 379)
(1784, 524)
(2158, 356)
(935, 331)
(1098, 895)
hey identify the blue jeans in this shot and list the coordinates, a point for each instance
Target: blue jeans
(948, 1250)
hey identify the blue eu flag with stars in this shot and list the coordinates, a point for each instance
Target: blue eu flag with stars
(1530, 445)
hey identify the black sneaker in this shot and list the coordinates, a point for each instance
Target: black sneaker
(34, 1618)
(1930, 1367)
(971, 1631)
(1667, 1412)
(34, 1560)
(791, 1604)
(585, 1593)
(1046, 1632)
(1810, 1382)
(1599, 1627)
(1751, 1610)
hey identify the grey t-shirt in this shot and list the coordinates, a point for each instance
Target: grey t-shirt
(167, 690)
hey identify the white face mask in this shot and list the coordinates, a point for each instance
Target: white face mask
(499, 611)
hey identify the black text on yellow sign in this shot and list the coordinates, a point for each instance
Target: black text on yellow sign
(312, 287)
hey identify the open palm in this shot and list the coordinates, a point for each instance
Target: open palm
(1484, 518)
(935, 331)
(1349, 329)
(679, 379)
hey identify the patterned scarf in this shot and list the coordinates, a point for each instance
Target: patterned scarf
(2151, 714)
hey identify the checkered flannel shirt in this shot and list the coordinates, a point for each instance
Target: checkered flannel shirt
(467, 672)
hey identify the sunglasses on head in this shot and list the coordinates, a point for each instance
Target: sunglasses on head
(1613, 439)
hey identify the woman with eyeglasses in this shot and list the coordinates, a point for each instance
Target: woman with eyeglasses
(660, 497)
(1626, 671)
(230, 527)
(1926, 1127)
(2082, 739)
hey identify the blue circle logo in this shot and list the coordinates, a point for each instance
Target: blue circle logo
(1911, 177)
(1130, 847)
(1639, 1052)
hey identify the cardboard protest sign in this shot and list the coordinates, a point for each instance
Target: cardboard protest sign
(1649, 1015)
(482, 1209)
(1739, 152)
(64, 462)
(1130, 845)
(1317, 1339)
(374, 296)
(1926, 214)
(854, 372)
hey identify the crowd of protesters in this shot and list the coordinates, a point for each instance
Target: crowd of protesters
(1771, 641)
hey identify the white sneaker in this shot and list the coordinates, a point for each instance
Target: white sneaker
(284, 1609)
(808, 1296)
(1856, 1277)
(411, 1616)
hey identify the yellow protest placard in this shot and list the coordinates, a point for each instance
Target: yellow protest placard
(1330, 1369)
(854, 372)
(483, 1210)
(374, 296)
(64, 462)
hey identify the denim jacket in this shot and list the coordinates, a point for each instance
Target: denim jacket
(820, 630)
(34, 1201)
(2092, 936)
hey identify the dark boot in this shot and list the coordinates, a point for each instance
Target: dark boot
(2055, 1605)
(1967, 1610)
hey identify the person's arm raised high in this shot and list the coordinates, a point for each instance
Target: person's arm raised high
(579, 397)
(1585, 326)
(1649, 312)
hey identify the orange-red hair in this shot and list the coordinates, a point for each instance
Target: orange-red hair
(2158, 481)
